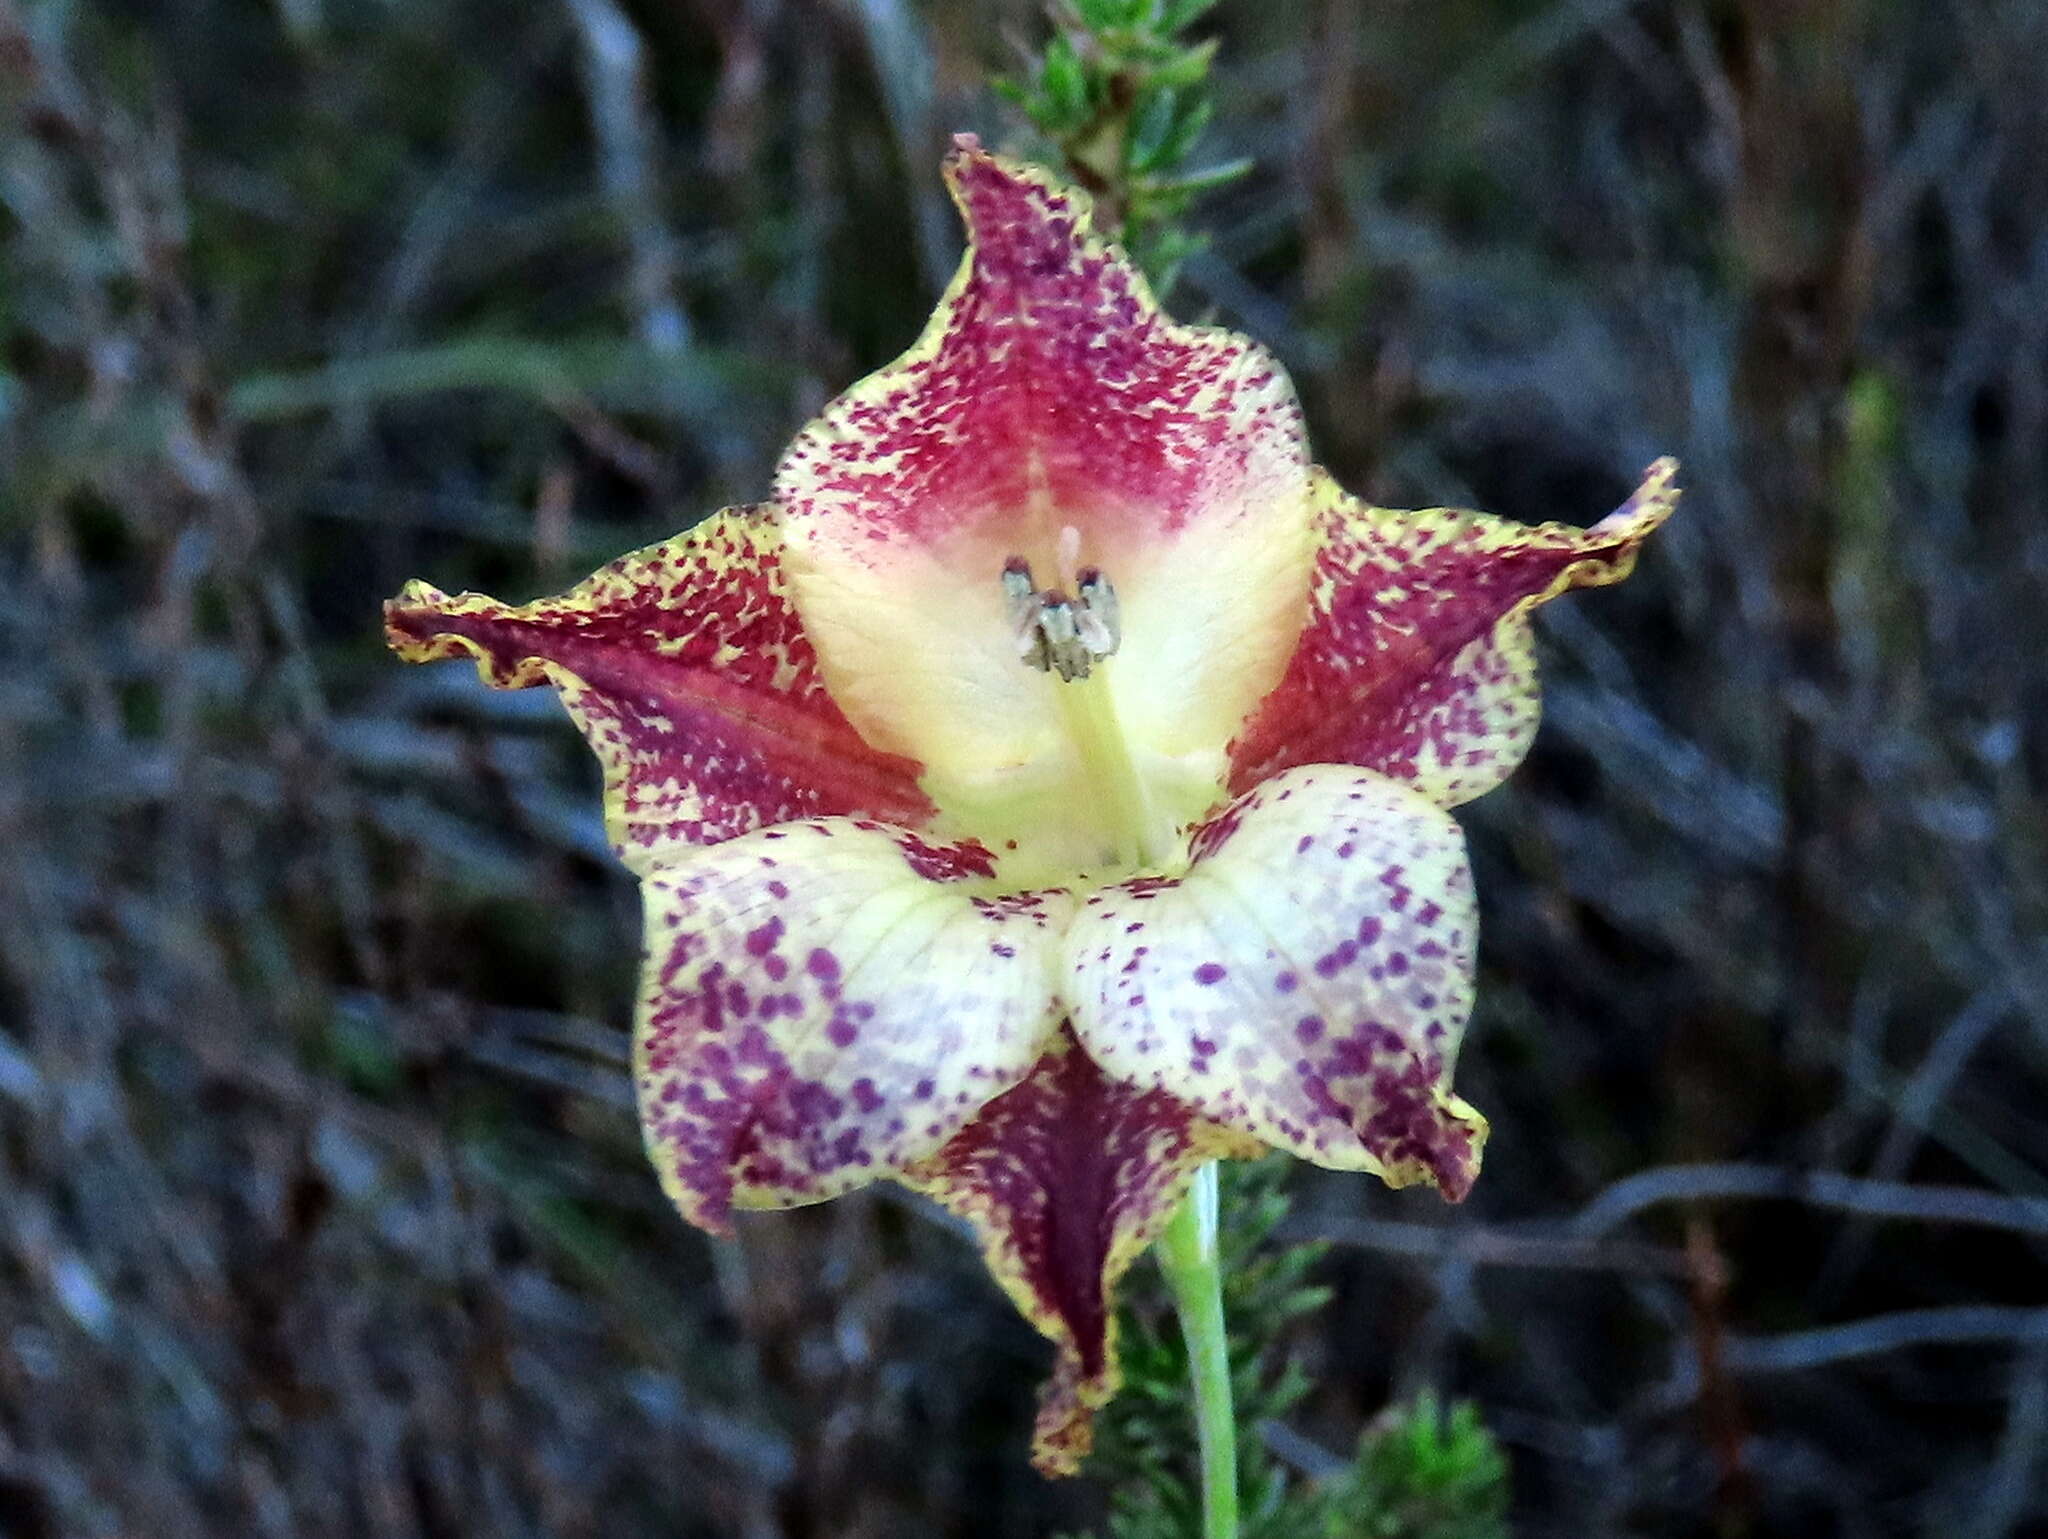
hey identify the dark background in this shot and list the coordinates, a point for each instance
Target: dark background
(321, 1206)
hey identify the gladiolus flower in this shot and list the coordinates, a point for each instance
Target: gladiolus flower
(1045, 793)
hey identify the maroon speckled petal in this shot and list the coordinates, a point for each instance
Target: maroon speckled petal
(1417, 661)
(1305, 983)
(1050, 412)
(1066, 1179)
(688, 671)
(823, 1002)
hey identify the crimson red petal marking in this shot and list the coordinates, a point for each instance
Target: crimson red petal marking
(1048, 377)
(690, 674)
(1417, 661)
(1067, 1178)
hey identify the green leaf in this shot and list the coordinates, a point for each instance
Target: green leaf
(1100, 15)
(1202, 181)
(1187, 128)
(1183, 13)
(1153, 130)
(1064, 84)
(1186, 66)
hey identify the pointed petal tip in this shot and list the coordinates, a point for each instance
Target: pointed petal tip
(1018, 214)
(1064, 1433)
(425, 625)
(710, 1212)
(1444, 1154)
(405, 615)
(968, 159)
(1438, 1147)
(1065, 1179)
(1648, 505)
(1453, 1161)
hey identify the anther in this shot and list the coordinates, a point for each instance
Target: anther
(1059, 629)
(1102, 621)
(1058, 634)
(1019, 591)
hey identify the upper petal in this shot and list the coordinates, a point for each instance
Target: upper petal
(1306, 982)
(824, 1002)
(688, 671)
(1050, 411)
(1066, 1179)
(1417, 660)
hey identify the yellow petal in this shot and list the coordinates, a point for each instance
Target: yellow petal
(824, 1002)
(1305, 983)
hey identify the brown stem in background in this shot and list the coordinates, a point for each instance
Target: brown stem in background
(1796, 214)
(1333, 270)
(1720, 1402)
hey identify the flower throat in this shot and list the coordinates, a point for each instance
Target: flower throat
(1073, 637)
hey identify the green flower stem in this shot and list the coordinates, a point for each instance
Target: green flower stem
(1187, 1256)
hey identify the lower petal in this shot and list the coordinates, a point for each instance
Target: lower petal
(1305, 983)
(1066, 1179)
(825, 1002)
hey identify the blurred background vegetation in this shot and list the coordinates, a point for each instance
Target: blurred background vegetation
(321, 1206)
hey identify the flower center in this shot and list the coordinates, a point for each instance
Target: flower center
(1073, 636)
(1057, 633)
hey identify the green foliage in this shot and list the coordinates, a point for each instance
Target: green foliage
(1120, 99)
(1420, 1473)
(1417, 1474)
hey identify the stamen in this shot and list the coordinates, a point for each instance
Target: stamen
(1103, 627)
(1058, 634)
(1017, 583)
(1020, 596)
(1058, 627)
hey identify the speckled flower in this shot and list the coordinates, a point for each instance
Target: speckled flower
(1046, 793)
